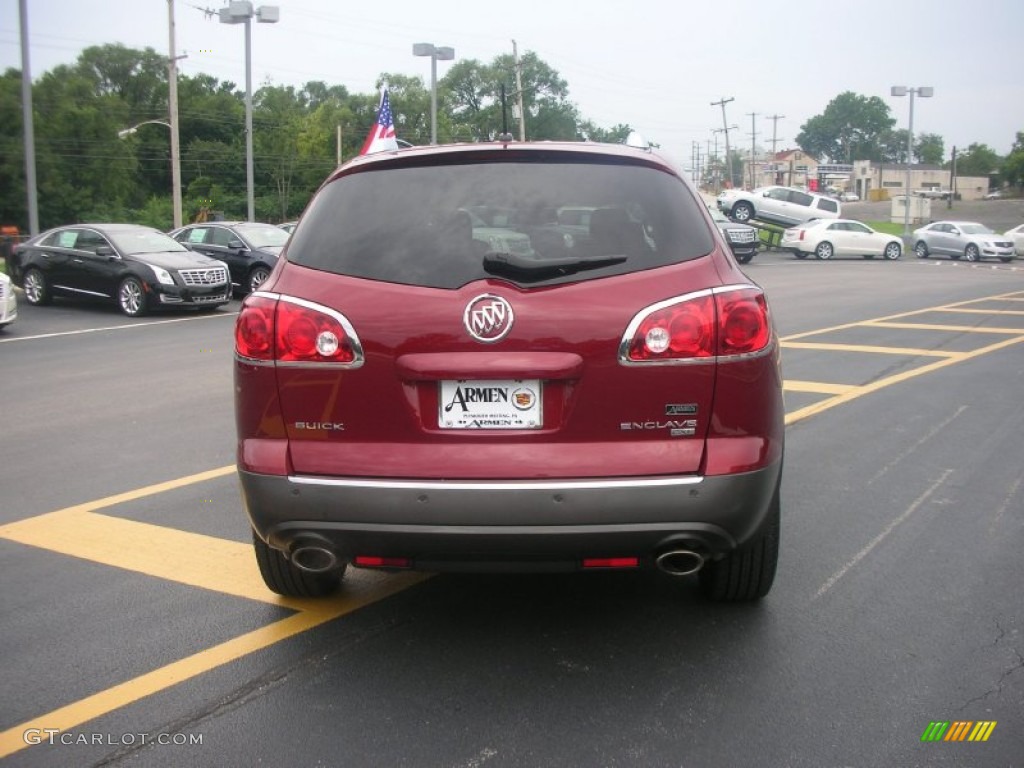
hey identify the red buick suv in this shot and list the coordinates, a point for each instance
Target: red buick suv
(442, 374)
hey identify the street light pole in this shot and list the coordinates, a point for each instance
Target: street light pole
(241, 12)
(924, 92)
(443, 53)
(175, 161)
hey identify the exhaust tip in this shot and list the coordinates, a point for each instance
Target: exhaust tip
(313, 558)
(679, 562)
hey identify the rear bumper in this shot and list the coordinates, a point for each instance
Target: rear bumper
(512, 522)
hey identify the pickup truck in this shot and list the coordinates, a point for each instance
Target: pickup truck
(934, 194)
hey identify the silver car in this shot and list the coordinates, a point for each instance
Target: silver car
(969, 239)
(784, 206)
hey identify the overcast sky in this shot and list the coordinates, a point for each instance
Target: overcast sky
(656, 65)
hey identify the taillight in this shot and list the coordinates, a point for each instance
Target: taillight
(710, 324)
(743, 323)
(254, 329)
(682, 330)
(292, 331)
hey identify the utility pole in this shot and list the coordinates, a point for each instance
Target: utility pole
(519, 91)
(753, 146)
(172, 113)
(28, 131)
(952, 182)
(775, 140)
(725, 128)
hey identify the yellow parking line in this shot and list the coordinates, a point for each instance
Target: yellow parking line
(968, 311)
(1012, 296)
(845, 397)
(930, 327)
(819, 387)
(355, 595)
(913, 352)
(228, 567)
(212, 563)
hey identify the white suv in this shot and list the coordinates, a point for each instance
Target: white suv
(777, 205)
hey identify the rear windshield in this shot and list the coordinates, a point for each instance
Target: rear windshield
(525, 221)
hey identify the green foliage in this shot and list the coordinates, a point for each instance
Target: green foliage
(851, 128)
(84, 171)
(1012, 170)
(929, 148)
(977, 160)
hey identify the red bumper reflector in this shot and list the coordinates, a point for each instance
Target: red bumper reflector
(368, 561)
(611, 562)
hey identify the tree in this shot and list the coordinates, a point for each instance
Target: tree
(474, 95)
(851, 128)
(929, 148)
(1012, 170)
(977, 160)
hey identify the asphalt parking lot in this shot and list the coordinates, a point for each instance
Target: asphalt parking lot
(137, 631)
(1000, 215)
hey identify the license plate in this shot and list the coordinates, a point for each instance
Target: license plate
(501, 404)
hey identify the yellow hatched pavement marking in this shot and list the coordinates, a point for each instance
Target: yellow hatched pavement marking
(824, 405)
(1013, 296)
(220, 565)
(186, 558)
(357, 593)
(166, 553)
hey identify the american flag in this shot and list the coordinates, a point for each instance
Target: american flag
(382, 132)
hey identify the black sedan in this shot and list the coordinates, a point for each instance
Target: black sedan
(140, 268)
(250, 249)
(742, 238)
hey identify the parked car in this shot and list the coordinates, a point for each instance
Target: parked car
(404, 400)
(8, 301)
(969, 239)
(1016, 236)
(995, 194)
(250, 249)
(743, 239)
(777, 205)
(139, 267)
(288, 226)
(849, 197)
(934, 193)
(840, 237)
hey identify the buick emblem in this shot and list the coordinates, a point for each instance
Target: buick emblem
(488, 318)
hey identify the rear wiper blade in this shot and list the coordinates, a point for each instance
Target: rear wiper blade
(498, 261)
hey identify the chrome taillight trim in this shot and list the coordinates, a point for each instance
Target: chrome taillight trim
(639, 317)
(350, 332)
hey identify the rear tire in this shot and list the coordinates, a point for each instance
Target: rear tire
(256, 278)
(282, 577)
(747, 573)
